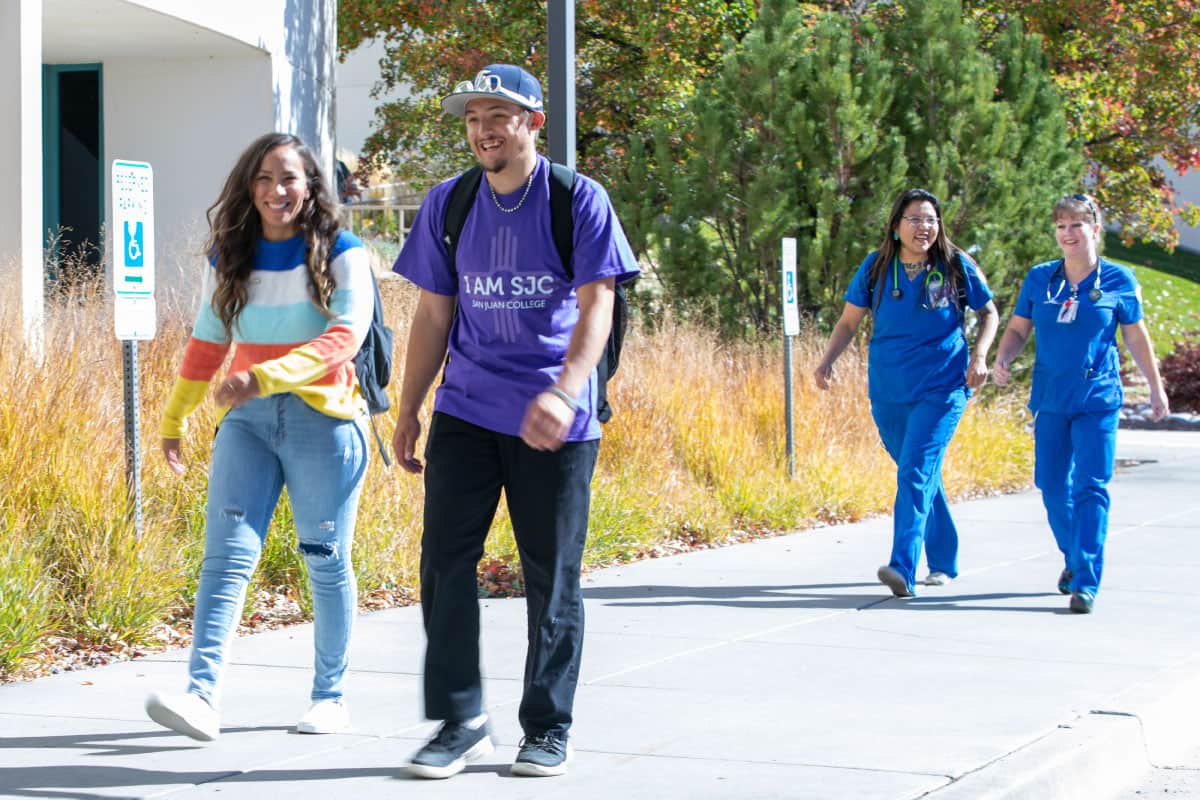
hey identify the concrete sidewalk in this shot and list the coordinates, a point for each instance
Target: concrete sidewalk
(778, 668)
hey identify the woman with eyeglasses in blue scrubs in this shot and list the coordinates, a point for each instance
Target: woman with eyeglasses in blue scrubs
(1074, 304)
(920, 372)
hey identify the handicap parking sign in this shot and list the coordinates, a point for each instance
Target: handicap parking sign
(135, 247)
(133, 220)
(135, 314)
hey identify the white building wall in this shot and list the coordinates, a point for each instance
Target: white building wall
(186, 85)
(217, 105)
(355, 110)
(190, 118)
(300, 38)
(21, 154)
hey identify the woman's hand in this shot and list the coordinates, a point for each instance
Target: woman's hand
(977, 371)
(823, 375)
(238, 388)
(1000, 373)
(170, 449)
(1159, 406)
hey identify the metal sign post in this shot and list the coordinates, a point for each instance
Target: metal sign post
(791, 327)
(134, 315)
(560, 107)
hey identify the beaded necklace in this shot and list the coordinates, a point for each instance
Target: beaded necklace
(521, 202)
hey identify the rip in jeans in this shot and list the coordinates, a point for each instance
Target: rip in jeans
(320, 549)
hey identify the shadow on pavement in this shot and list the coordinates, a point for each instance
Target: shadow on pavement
(813, 595)
(62, 781)
(84, 741)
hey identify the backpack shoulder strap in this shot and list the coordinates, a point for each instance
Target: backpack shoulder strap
(462, 196)
(960, 261)
(562, 217)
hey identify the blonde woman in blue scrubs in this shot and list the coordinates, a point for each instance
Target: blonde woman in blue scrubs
(920, 369)
(1075, 304)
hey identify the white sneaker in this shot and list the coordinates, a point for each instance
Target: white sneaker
(937, 579)
(188, 714)
(325, 716)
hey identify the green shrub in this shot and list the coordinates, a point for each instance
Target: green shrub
(25, 607)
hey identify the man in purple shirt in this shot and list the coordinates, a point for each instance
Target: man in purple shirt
(516, 411)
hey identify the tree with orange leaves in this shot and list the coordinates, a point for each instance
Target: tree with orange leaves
(1129, 74)
(637, 61)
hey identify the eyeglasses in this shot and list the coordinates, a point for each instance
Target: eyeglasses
(915, 221)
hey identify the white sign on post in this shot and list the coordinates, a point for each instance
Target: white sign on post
(132, 237)
(791, 307)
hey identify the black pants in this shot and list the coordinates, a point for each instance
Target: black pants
(548, 495)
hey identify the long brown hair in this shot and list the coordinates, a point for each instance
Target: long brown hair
(942, 254)
(235, 228)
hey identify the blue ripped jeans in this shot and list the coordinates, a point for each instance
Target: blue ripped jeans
(262, 446)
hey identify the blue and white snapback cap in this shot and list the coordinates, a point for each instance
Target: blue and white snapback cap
(505, 81)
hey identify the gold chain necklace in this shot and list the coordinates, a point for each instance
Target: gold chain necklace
(521, 202)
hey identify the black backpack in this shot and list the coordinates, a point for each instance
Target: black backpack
(562, 223)
(373, 366)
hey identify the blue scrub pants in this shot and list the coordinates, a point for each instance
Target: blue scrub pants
(915, 436)
(1074, 463)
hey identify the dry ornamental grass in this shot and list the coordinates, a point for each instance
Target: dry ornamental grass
(694, 457)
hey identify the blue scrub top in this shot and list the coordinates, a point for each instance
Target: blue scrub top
(1076, 366)
(917, 343)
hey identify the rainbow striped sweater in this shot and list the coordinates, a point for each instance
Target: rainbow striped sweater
(280, 335)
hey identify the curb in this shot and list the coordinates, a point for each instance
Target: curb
(1100, 753)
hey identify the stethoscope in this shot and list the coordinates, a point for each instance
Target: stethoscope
(1094, 294)
(929, 276)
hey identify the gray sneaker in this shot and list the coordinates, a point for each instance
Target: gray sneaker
(891, 578)
(1081, 602)
(542, 756)
(1064, 581)
(937, 579)
(448, 752)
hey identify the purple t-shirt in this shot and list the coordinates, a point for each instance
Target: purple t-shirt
(516, 307)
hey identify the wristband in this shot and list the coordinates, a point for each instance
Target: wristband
(566, 398)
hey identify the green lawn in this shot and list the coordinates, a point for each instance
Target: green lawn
(1170, 288)
(1181, 263)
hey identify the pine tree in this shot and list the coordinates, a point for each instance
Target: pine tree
(815, 123)
(784, 141)
(984, 131)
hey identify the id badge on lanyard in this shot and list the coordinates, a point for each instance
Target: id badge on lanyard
(1068, 310)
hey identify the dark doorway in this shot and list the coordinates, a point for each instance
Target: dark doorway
(74, 170)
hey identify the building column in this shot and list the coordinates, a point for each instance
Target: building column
(21, 145)
(303, 70)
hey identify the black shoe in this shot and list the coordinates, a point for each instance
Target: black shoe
(542, 756)
(450, 749)
(1081, 602)
(1064, 582)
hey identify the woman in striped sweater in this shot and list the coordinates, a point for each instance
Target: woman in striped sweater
(291, 294)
